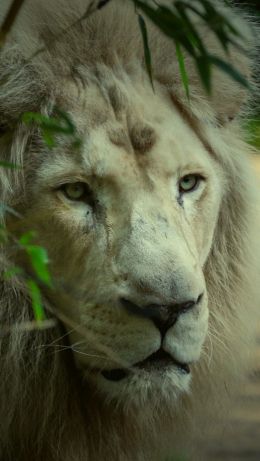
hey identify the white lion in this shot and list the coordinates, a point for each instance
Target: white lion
(151, 231)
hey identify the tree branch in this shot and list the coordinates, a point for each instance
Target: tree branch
(9, 19)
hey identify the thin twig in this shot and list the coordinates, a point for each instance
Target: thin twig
(9, 20)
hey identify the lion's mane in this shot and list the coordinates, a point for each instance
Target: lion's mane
(43, 415)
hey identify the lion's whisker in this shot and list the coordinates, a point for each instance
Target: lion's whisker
(216, 337)
(63, 336)
(89, 355)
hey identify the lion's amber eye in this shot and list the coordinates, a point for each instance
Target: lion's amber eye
(76, 191)
(189, 183)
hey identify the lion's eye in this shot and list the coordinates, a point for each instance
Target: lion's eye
(77, 191)
(189, 183)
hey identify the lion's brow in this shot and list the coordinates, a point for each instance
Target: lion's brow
(140, 138)
(141, 135)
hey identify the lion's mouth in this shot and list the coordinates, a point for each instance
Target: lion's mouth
(161, 359)
(158, 361)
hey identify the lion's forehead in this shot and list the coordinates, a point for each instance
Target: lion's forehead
(122, 139)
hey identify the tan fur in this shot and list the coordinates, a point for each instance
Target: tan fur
(142, 242)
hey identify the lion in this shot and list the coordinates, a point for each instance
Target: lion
(151, 228)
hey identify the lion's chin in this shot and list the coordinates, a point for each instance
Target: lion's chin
(159, 378)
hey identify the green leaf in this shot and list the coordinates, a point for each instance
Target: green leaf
(62, 124)
(102, 3)
(230, 70)
(169, 23)
(191, 31)
(13, 271)
(48, 138)
(77, 143)
(176, 24)
(26, 238)
(13, 166)
(147, 54)
(183, 72)
(217, 22)
(204, 69)
(50, 124)
(36, 298)
(38, 257)
(253, 128)
(65, 116)
(39, 260)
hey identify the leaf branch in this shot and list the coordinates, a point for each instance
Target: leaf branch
(10, 19)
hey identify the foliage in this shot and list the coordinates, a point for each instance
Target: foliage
(253, 129)
(9, 165)
(38, 261)
(175, 22)
(53, 126)
(147, 53)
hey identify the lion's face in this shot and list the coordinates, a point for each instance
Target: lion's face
(128, 221)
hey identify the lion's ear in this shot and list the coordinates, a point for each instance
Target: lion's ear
(229, 97)
(22, 89)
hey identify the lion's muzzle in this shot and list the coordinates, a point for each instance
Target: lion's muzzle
(163, 316)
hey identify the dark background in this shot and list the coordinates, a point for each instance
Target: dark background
(253, 4)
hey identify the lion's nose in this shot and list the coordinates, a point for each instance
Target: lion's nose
(163, 316)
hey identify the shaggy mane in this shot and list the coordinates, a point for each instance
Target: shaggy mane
(43, 415)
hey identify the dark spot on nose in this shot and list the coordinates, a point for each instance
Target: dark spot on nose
(163, 316)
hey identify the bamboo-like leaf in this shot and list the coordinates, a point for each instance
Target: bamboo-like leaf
(36, 298)
(102, 3)
(39, 260)
(147, 53)
(48, 138)
(27, 238)
(216, 21)
(170, 24)
(50, 126)
(12, 166)
(253, 128)
(179, 27)
(12, 271)
(183, 72)
(204, 69)
(64, 116)
(10, 19)
(191, 31)
(38, 257)
(230, 70)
